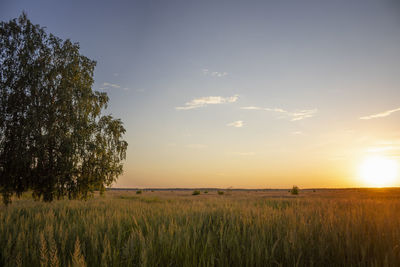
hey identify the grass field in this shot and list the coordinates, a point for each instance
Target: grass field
(352, 227)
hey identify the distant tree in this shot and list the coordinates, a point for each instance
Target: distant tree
(54, 139)
(294, 190)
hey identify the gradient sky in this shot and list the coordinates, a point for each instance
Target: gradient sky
(254, 94)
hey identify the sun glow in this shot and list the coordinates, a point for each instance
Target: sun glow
(378, 171)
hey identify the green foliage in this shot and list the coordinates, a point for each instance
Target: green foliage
(220, 192)
(294, 190)
(205, 192)
(196, 192)
(54, 139)
(138, 192)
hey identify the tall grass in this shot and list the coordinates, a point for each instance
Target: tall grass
(206, 231)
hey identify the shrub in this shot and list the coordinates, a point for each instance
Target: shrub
(196, 192)
(220, 192)
(205, 192)
(294, 190)
(139, 192)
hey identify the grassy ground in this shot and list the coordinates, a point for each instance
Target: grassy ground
(356, 227)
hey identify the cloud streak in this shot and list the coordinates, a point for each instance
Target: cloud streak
(380, 115)
(236, 124)
(208, 100)
(293, 116)
(110, 85)
(298, 133)
(214, 73)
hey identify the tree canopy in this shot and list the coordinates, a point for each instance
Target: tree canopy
(54, 138)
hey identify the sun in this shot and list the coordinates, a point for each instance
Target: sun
(378, 171)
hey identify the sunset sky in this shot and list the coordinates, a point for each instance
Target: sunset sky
(242, 94)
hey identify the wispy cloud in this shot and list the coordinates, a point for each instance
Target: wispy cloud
(109, 85)
(391, 147)
(214, 73)
(236, 124)
(380, 115)
(208, 100)
(382, 148)
(297, 133)
(292, 115)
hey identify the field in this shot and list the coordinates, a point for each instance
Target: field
(350, 227)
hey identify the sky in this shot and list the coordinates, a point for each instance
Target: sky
(242, 94)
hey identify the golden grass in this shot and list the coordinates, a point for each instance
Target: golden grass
(240, 228)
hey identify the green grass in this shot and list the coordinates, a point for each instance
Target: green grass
(254, 229)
